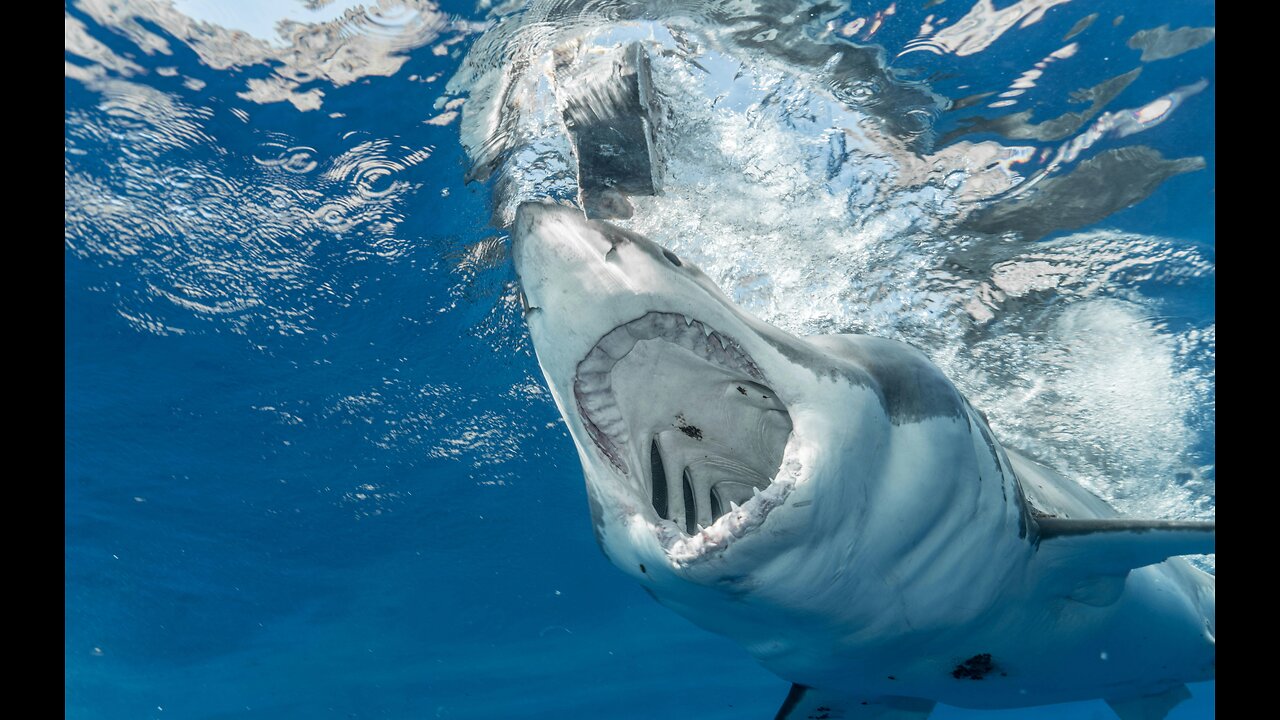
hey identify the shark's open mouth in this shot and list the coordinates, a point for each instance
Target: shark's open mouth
(687, 416)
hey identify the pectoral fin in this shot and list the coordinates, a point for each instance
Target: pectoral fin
(806, 703)
(1111, 546)
(1150, 707)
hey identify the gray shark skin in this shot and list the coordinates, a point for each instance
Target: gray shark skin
(837, 507)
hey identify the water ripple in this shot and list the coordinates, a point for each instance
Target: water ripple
(298, 160)
(215, 246)
(371, 168)
(300, 50)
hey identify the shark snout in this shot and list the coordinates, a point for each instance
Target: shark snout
(547, 233)
(529, 217)
(529, 220)
(560, 257)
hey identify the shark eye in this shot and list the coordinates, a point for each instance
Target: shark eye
(671, 257)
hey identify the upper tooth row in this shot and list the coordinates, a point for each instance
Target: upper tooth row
(692, 335)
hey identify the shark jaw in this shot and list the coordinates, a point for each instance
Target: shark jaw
(860, 521)
(687, 424)
(666, 387)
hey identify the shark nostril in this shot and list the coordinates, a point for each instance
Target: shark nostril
(672, 258)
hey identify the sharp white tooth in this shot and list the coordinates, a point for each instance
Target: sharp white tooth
(706, 331)
(733, 506)
(754, 491)
(715, 344)
(688, 336)
(700, 528)
(688, 320)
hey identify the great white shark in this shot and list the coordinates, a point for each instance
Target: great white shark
(836, 506)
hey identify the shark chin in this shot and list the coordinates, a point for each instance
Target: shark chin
(686, 415)
(838, 508)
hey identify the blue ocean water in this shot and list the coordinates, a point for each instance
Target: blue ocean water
(311, 469)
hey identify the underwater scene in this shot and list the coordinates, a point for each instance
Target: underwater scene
(638, 359)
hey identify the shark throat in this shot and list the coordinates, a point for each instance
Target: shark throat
(685, 415)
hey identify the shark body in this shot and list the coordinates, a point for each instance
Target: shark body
(836, 506)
